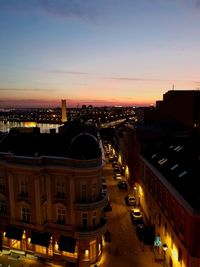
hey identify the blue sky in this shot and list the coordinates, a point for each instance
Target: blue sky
(97, 52)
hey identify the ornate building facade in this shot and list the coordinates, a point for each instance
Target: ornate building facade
(51, 202)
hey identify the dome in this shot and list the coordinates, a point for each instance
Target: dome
(84, 146)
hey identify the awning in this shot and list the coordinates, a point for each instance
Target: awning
(67, 244)
(14, 232)
(41, 239)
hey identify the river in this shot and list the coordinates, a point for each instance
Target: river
(44, 127)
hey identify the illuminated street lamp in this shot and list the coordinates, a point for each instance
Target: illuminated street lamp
(164, 257)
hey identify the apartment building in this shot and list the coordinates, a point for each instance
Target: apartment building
(169, 197)
(51, 202)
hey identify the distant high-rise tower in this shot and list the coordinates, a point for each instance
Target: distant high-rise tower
(64, 110)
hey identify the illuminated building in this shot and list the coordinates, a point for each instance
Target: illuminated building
(169, 196)
(51, 202)
(164, 164)
(64, 110)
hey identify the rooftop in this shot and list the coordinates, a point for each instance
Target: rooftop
(75, 140)
(178, 160)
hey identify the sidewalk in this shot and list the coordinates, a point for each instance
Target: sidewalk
(143, 257)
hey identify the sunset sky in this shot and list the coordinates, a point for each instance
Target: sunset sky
(105, 52)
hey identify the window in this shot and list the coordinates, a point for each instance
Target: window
(83, 192)
(61, 213)
(94, 188)
(2, 184)
(84, 220)
(94, 218)
(180, 255)
(23, 188)
(60, 189)
(3, 206)
(25, 212)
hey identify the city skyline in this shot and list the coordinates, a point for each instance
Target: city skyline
(100, 53)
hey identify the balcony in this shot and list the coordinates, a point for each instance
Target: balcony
(98, 230)
(101, 203)
(52, 161)
(23, 196)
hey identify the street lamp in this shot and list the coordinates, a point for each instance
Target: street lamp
(164, 257)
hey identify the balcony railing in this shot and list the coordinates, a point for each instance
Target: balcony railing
(48, 160)
(101, 203)
(98, 230)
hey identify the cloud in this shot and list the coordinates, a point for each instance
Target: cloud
(60, 8)
(137, 79)
(131, 79)
(197, 4)
(68, 72)
(24, 89)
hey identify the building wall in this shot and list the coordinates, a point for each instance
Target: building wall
(46, 191)
(174, 220)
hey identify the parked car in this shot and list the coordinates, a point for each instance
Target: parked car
(130, 200)
(140, 230)
(115, 164)
(117, 176)
(108, 206)
(111, 158)
(136, 216)
(116, 169)
(145, 233)
(122, 184)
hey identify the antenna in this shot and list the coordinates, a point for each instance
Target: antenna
(173, 87)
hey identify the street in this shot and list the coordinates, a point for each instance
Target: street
(125, 249)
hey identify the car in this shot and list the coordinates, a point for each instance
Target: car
(122, 184)
(116, 169)
(103, 180)
(130, 200)
(140, 230)
(111, 158)
(136, 215)
(115, 164)
(117, 176)
(145, 233)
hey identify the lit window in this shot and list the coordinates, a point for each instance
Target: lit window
(174, 167)
(179, 149)
(176, 148)
(162, 161)
(182, 174)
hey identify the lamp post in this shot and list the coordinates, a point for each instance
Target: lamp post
(164, 257)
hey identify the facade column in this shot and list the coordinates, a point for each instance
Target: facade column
(37, 200)
(49, 198)
(12, 194)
